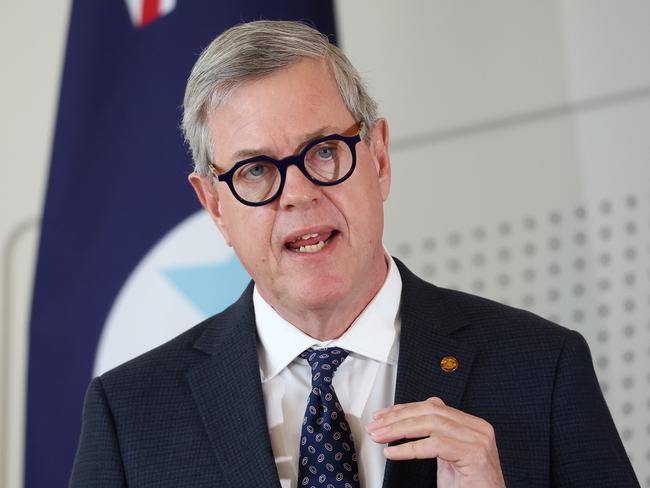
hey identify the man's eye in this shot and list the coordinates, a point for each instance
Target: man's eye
(255, 171)
(325, 153)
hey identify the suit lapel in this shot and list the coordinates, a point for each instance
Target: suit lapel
(426, 324)
(228, 394)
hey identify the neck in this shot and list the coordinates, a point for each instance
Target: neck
(330, 321)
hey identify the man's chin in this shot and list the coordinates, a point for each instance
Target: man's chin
(319, 293)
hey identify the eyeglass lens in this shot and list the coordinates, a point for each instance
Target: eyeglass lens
(327, 162)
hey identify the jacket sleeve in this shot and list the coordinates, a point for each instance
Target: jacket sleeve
(586, 449)
(98, 462)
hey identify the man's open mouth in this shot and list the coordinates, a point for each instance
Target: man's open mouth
(311, 243)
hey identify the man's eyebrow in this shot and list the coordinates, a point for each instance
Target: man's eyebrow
(251, 153)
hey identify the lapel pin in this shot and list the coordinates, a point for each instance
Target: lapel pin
(449, 364)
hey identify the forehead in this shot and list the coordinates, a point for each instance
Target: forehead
(275, 113)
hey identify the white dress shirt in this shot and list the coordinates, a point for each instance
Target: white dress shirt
(364, 383)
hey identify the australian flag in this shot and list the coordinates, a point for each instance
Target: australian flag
(126, 259)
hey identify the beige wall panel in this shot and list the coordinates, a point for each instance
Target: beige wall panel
(434, 65)
(482, 179)
(606, 46)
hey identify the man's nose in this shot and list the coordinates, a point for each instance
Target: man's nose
(298, 190)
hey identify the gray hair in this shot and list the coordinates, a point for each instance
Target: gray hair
(250, 51)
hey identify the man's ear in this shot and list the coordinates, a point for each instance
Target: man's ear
(379, 149)
(207, 195)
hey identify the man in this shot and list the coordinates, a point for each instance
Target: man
(336, 350)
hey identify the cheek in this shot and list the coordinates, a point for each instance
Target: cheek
(251, 233)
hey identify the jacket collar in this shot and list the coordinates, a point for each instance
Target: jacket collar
(228, 394)
(429, 321)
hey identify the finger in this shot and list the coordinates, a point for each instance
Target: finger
(424, 426)
(401, 411)
(401, 406)
(431, 447)
(432, 406)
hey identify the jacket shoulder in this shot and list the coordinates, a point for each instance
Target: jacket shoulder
(503, 319)
(170, 361)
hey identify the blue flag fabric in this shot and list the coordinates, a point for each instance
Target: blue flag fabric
(116, 187)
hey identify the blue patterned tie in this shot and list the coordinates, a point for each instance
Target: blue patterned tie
(327, 455)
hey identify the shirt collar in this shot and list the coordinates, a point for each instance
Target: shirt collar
(371, 335)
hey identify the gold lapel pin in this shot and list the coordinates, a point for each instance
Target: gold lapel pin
(449, 364)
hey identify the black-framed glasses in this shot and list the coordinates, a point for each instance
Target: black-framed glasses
(326, 161)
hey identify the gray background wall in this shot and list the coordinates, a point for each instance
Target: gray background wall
(521, 163)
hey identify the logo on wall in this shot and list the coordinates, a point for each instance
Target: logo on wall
(143, 12)
(189, 275)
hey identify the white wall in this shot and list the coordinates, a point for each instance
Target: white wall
(32, 42)
(520, 155)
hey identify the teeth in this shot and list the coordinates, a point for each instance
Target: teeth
(308, 236)
(313, 247)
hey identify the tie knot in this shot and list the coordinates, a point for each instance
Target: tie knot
(324, 363)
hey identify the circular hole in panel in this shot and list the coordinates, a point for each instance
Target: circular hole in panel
(554, 269)
(454, 239)
(478, 285)
(530, 223)
(631, 201)
(404, 249)
(603, 310)
(579, 264)
(503, 279)
(578, 289)
(580, 238)
(528, 274)
(453, 265)
(529, 249)
(554, 243)
(555, 218)
(605, 207)
(479, 233)
(478, 259)
(428, 244)
(628, 330)
(580, 212)
(628, 382)
(602, 336)
(629, 305)
(630, 227)
(626, 434)
(428, 270)
(604, 258)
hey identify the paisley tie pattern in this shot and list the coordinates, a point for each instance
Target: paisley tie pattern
(327, 455)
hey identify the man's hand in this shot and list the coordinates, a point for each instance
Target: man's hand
(464, 445)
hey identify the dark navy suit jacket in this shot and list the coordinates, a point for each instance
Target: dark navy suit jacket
(190, 413)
